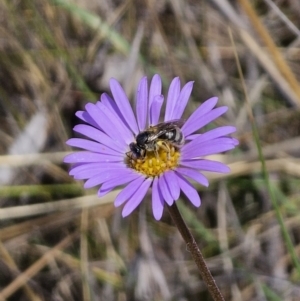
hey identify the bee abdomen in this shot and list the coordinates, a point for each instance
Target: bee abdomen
(179, 138)
(175, 136)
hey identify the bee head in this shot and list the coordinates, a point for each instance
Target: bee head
(136, 151)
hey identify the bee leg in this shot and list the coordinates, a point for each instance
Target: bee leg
(165, 146)
(156, 147)
(168, 150)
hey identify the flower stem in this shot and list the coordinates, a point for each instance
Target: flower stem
(195, 252)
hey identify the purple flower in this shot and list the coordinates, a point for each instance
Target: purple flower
(111, 125)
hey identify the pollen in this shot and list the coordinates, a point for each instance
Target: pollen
(156, 163)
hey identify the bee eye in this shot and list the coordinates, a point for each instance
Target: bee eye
(132, 146)
(136, 151)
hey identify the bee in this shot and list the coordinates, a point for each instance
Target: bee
(157, 136)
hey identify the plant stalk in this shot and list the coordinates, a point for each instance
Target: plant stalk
(196, 253)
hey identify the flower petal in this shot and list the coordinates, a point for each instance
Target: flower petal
(235, 141)
(190, 127)
(206, 107)
(173, 94)
(190, 192)
(192, 137)
(80, 167)
(105, 176)
(113, 183)
(209, 135)
(182, 100)
(123, 104)
(85, 116)
(136, 198)
(120, 131)
(94, 147)
(155, 89)
(105, 123)
(157, 200)
(100, 137)
(193, 174)
(163, 187)
(206, 165)
(171, 180)
(208, 148)
(128, 191)
(89, 172)
(89, 157)
(142, 103)
(111, 106)
(155, 109)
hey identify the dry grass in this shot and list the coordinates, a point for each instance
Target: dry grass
(58, 242)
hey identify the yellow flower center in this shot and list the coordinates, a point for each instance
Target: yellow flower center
(155, 163)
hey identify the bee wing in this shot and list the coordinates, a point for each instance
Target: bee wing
(155, 136)
(167, 125)
(163, 127)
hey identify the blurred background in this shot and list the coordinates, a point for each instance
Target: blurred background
(59, 242)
